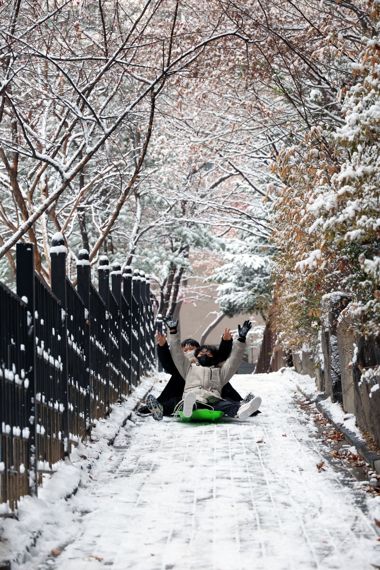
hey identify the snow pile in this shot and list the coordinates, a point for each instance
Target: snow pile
(47, 522)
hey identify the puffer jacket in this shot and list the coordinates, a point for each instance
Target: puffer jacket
(206, 382)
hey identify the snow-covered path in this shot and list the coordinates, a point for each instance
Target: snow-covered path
(235, 495)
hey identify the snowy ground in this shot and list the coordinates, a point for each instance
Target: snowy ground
(168, 495)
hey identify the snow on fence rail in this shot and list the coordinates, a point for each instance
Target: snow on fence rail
(66, 355)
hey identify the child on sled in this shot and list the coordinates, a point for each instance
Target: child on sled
(204, 378)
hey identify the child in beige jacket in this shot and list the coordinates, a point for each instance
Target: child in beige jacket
(204, 378)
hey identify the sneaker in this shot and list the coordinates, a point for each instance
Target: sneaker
(248, 398)
(248, 408)
(155, 407)
(143, 411)
(188, 404)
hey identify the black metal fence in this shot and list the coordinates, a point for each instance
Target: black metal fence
(66, 355)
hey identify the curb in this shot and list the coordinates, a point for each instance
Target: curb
(372, 458)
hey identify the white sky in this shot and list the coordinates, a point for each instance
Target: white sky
(169, 495)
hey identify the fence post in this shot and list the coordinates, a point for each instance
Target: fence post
(103, 277)
(116, 282)
(127, 294)
(104, 292)
(144, 322)
(149, 333)
(84, 277)
(83, 287)
(116, 293)
(136, 319)
(159, 325)
(151, 342)
(127, 283)
(58, 286)
(26, 291)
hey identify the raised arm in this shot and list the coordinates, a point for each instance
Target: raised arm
(164, 355)
(225, 346)
(233, 362)
(181, 362)
(230, 366)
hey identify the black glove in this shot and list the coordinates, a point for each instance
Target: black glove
(243, 330)
(171, 323)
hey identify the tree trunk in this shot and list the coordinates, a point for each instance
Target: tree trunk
(175, 291)
(168, 290)
(219, 317)
(266, 350)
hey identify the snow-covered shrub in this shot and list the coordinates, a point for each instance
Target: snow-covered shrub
(326, 221)
(347, 214)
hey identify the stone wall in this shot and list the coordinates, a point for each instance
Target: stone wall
(350, 368)
(366, 373)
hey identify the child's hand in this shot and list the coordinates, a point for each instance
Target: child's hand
(227, 334)
(160, 339)
(244, 329)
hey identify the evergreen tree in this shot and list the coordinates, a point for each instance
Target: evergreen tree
(245, 279)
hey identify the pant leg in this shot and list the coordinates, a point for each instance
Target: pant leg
(229, 393)
(169, 405)
(172, 394)
(229, 407)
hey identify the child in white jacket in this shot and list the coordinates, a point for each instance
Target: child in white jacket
(204, 379)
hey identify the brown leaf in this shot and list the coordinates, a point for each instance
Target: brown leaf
(377, 522)
(321, 466)
(337, 454)
(56, 551)
(355, 458)
(336, 436)
(320, 420)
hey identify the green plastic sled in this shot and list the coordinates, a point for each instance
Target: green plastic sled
(202, 416)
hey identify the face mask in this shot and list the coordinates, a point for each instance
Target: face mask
(205, 360)
(189, 354)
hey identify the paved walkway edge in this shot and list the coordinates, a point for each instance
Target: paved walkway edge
(372, 458)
